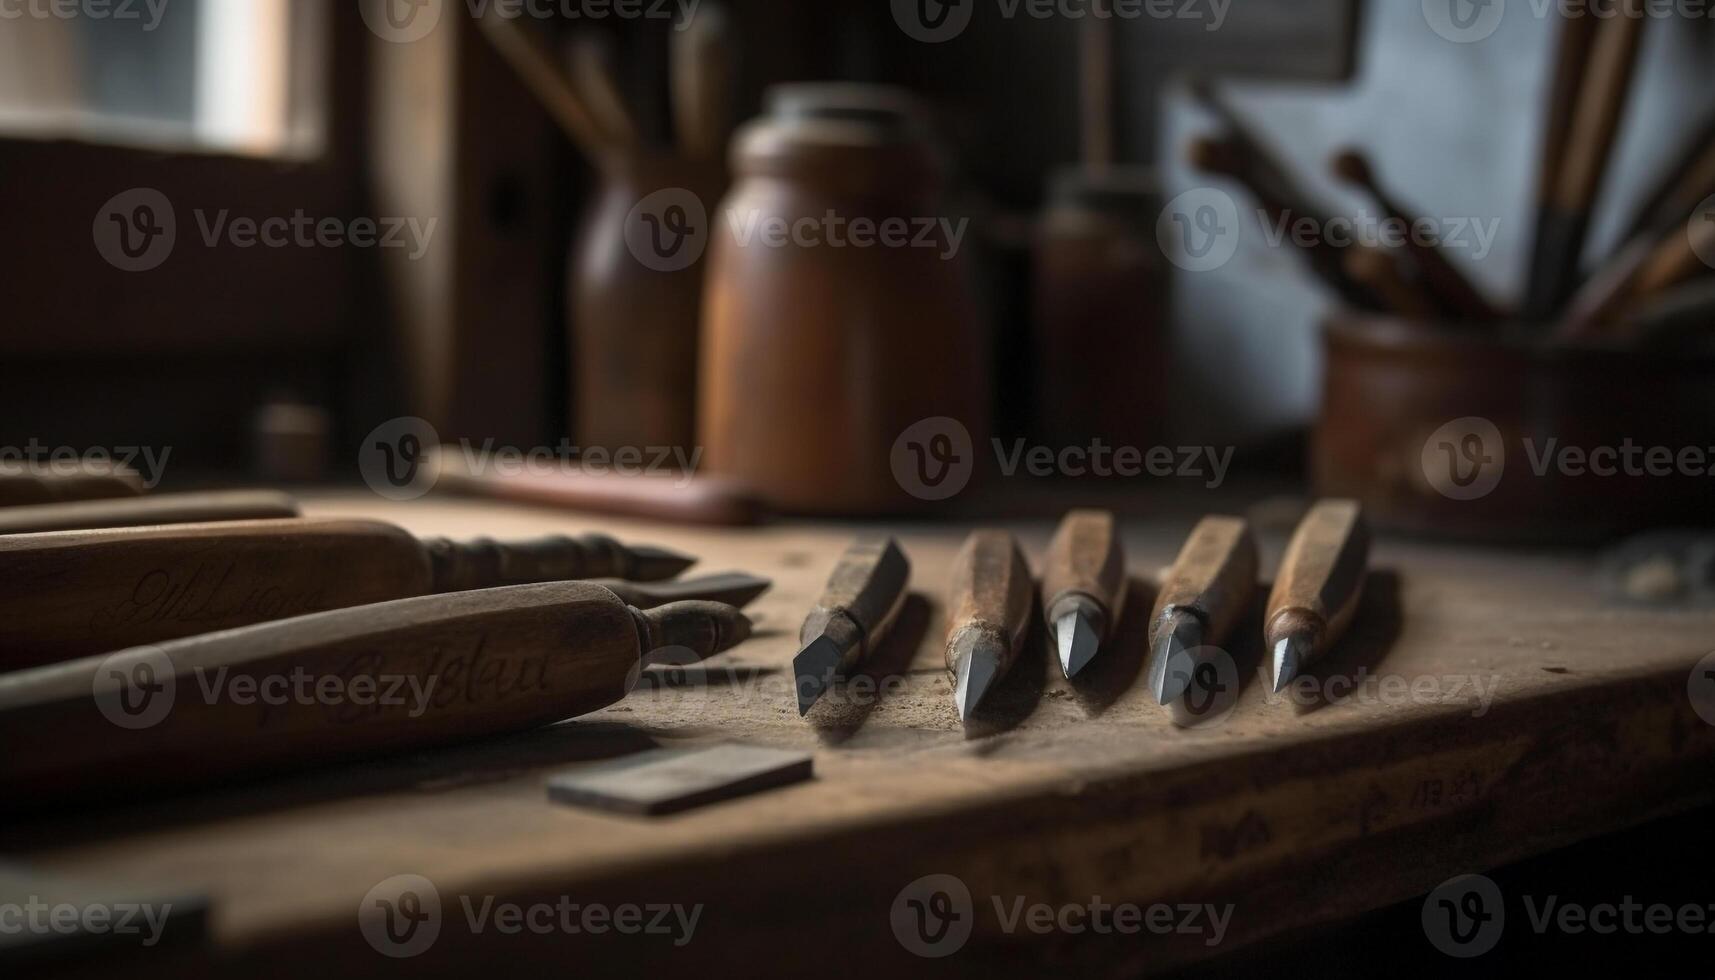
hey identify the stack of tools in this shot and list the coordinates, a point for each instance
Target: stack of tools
(991, 603)
(451, 639)
(161, 630)
(1651, 291)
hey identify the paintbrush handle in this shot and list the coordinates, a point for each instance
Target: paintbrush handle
(592, 78)
(1085, 564)
(1322, 575)
(1377, 270)
(1214, 577)
(338, 685)
(702, 69)
(536, 70)
(1565, 218)
(990, 594)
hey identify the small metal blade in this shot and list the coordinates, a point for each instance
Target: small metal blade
(1289, 653)
(978, 666)
(655, 564)
(1078, 641)
(1171, 666)
(733, 588)
(814, 668)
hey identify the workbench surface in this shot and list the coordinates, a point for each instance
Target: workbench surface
(1503, 707)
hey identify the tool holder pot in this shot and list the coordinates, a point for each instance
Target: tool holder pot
(1449, 433)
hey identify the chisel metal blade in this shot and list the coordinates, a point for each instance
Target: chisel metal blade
(1287, 659)
(732, 588)
(1170, 667)
(1078, 640)
(978, 665)
(1083, 586)
(813, 671)
(854, 614)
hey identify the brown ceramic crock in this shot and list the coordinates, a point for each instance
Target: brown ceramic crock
(817, 357)
(1460, 435)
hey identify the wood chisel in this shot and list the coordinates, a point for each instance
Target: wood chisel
(167, 508)
(72, 593)
(856, 610)
(1317, 590)
(335, 685)
(1203, 597)
(1083, 586)
(988, 614)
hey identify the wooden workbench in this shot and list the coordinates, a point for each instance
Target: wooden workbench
(1294, 813)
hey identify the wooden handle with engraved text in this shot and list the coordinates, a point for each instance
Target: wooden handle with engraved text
(334, 685)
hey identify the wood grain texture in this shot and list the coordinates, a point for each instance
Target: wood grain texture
(1215, 576)
(313, 689)
(167, 508)
(990, 594)
(1602, 96)
(1299, 814)
(1086, 559)
(1321, 578)
(74, 593)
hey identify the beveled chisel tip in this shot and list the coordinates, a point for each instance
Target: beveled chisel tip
(1171, 664)
(1288, 658)
(977, 665)
(813, 670)
(1078, 641)
(653, 564)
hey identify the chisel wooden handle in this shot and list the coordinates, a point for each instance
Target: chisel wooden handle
(172, 508)
(988, 614)
(483, 563)
(990, 592)
(73, 593)
(1085, 570)
(1321, 579)
(862, 599)
(24, 485)
(1214, 578)
(335, 685)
